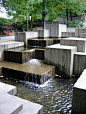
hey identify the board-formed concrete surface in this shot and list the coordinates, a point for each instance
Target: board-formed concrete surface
(79, 63)
(79, 95)
(79, 31)
(43, 33)
(62, 57)
(73, 41)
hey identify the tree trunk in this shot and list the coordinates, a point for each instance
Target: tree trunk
(67, 17)
(31, 23)
(43, 18)
(71, 16)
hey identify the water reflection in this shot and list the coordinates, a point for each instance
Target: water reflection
(55, 95)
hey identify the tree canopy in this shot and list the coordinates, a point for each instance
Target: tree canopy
(38, 9)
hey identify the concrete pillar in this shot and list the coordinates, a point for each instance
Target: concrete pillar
(79, 95)
(62, 57)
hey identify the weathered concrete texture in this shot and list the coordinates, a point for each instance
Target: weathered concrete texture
(79, 63)
(31, 71)
(62, 57)
(55, 29)
(79, 95)
(68, 34)
(18, 56)
(68, 29)
(43, 33)
(8, 45)
(24, 36)
(9, 105)
(83, 35)
(72, 41)
(78, 31)
(5, 88)
(39, 54)
(42, 43)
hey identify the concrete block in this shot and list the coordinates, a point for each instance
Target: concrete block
(43, 33)
(68, 34)
(70, 29)
(72, 41)
(9, 104)
(55, 29)
(5, 88)
(83, 35)
(79, 63)
(42, 43)
(78, 31)
(32, 71)
(79, 95)
(24, 36)
(62, 57)
(39, 54)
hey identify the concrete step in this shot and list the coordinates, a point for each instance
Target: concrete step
(5, 88)
(10, 104)
(32, 71)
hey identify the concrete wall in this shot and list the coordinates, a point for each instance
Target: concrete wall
(61, 57)
(79, 42)
(24, 36)
(79, 63)
(83, 35)
(79, 95)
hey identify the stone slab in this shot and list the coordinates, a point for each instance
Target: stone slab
(62, 57)
(32, 71)
(9, 104)
(79, 63)
(72, 41)
(79, 95)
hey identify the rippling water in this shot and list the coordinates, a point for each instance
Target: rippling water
(55, 95)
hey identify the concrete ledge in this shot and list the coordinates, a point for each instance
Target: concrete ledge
(79, 63)
(79, 95)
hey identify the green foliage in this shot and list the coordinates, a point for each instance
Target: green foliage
(76, 23)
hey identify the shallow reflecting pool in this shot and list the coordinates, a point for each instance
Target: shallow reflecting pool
(55, 95)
